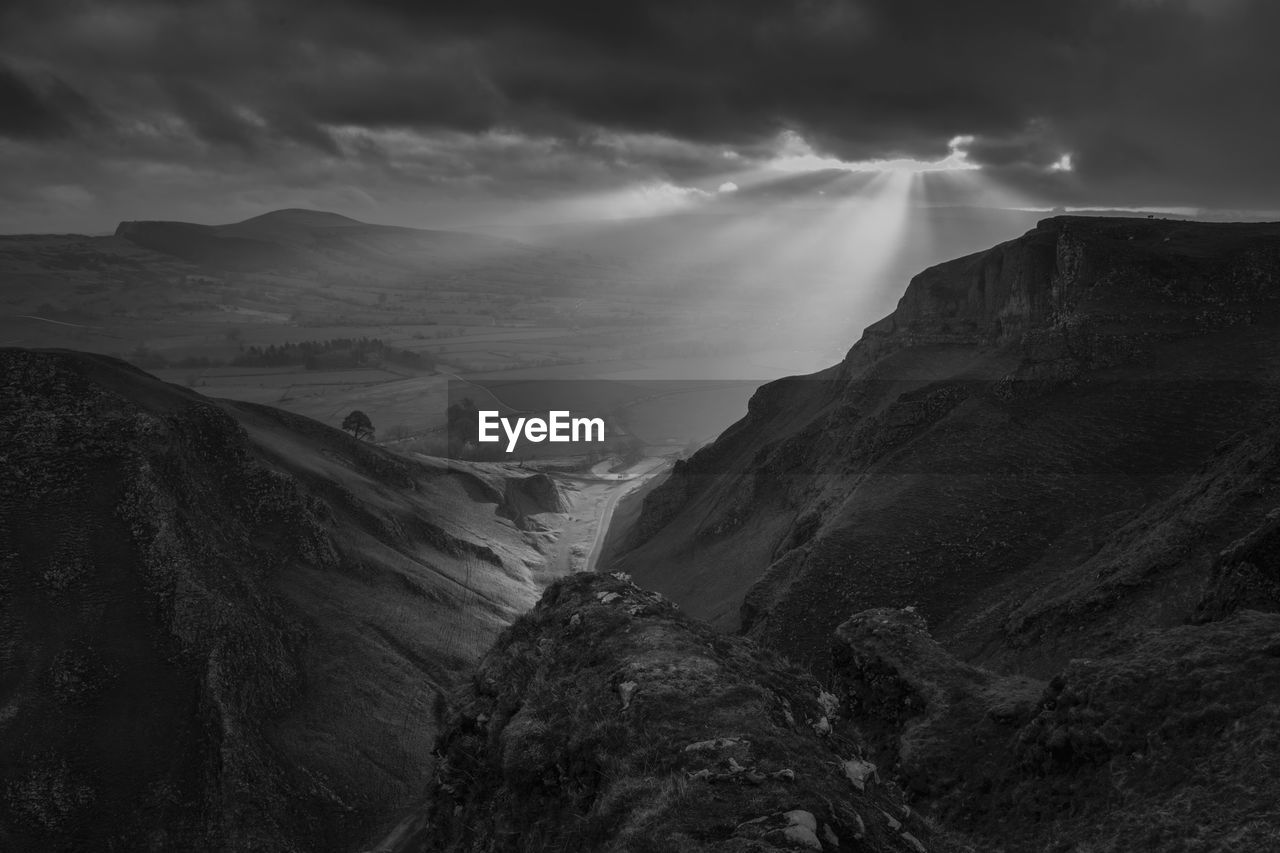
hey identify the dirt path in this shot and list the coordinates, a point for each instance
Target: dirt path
(594, 498)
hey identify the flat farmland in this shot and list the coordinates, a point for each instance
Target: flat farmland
(597, 371)
(653, 400)
(514, 328)
(395, 402)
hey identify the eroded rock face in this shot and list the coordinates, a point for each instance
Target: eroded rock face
(925, 715)
(532, 495)
(1164, 746)
(606, 720)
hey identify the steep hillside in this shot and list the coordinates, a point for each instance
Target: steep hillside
(222, 626)
(1043, 448)
(1167, 746)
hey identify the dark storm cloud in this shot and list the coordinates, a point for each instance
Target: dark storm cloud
(212, 118)
(870, 77)
(443, 87)
(1158, 101)
(39, 110)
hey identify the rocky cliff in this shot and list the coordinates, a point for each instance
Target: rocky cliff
(222, 626)
(1044, 448)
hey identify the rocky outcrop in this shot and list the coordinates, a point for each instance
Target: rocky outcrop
(1164, 746)
(930, 721)
(606, 720)
(525, 497)
(1075, 283)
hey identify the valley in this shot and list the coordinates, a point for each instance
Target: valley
(1008, 563)
(835, 426)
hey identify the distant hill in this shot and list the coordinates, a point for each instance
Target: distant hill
(224, 626)
(298, 217)
(295, 238)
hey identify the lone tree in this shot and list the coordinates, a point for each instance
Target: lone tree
(358, 424)
(463, 424)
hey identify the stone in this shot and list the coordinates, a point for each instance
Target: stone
(858, 772)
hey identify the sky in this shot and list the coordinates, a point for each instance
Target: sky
(492, 111)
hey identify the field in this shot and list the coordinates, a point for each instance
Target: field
(513, 328)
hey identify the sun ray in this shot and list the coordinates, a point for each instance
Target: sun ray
(815, 243)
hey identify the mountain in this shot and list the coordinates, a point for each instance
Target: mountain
(295, 219)
(306, 239)
(226, 627)
(1044, 449)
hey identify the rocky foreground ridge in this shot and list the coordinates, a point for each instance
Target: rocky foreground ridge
(606, 720)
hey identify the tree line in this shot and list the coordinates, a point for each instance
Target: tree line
(335, 353)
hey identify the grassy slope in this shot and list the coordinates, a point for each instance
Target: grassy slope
(225, 626)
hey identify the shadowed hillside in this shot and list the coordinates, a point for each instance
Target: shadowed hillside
(607, 720)
(1043, 448)
(222, 626)
(1166, 746)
